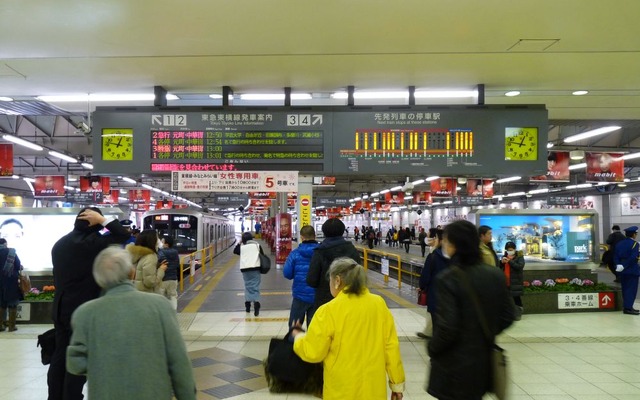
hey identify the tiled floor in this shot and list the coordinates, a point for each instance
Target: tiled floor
(578, 356)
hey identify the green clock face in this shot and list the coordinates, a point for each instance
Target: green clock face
(117, 144)
(521, 144)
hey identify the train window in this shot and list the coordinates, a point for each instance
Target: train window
(184, 229)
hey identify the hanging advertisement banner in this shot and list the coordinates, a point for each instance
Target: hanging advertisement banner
(49, 186)
(283, 237)
(113, 197)
(247, 181)
(480, 187)
(263, 195)
(95, 183)
(6, 159)
(422, 198)
(10, 201)
(443, 187)
(605, 167)
(396, 198)
(557, 168)
(140, 199)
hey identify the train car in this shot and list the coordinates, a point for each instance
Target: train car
(192, 229)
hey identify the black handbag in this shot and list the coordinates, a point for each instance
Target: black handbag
(265, 263)
(47, 344)
(286, 372)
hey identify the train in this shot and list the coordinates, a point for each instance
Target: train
(192, 229)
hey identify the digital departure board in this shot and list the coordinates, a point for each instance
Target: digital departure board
(431, 140)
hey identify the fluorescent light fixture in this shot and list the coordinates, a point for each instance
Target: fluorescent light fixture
(516, 194)
(29, 179)
(219, 96)
(583, 185)
(512, 93)
(622, 184)
(144, 185)
(631, 156)
(63, 156)
(4, 98)
(580, 92)
(509, 179)
(127, 179)
(431, 178)
(15, 176)
(549, 145)
(419, 181)
(445, 94)
(576, 155)
(157, 190)
(537, 191)
(274, 96)
(87, 165)
(591, 133)
(170, 96)
(403, 94)
(68, 187)
(571, 187)
(22, 142)
(447, 202)
(372, 95)
(577, 166)
(77, 189)
(375, 194)
(435, 203)
(396, 188)
(357, 198)
(385, 191)
(392, 209)
(101, 97)
(366, 196)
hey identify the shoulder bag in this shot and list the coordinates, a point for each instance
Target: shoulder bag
(24, 281)
(422, 297)
(265, 261)
(498, 357)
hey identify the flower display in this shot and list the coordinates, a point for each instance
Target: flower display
(565, 285)
(35, 294)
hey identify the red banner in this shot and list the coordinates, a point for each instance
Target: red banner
(49, 186)
(422, 198)
(139, 199)
(6, 159)
(443, 187)
(557, 167)
(164, 204)
(396, 198)
(113, 197)
(283, 237)
(480, 187)
(95, 184)
(262, 195)
(605, 167)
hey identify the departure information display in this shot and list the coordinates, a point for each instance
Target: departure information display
(234, 147)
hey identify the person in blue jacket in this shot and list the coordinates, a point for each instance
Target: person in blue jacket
(296, 267)
(626, 256)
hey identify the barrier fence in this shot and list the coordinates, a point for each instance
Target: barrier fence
(402, 271)
(190, 264)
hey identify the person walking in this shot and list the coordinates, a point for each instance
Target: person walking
(487, 252)
(169, 285)
(422, 236)
(10, 292)
(296, 268)
(72, 257)
(459, 350)
(626, 258)
(355, 338)
(149, 273)
(435, 263)
(512, 264)
(332, 247)
(127, 342)
(249, 251)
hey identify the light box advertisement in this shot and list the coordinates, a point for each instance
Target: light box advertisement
(545, 237)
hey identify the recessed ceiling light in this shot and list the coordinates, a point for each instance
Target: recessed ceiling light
(512, 93)
(580, 92)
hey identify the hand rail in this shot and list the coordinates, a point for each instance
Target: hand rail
(366, 252)
(192, 258)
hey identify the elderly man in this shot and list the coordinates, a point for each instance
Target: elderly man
(129, 328)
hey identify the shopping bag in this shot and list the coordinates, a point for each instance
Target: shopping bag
(285, 372)
(24, 281)
(499, 372)
(422, 297)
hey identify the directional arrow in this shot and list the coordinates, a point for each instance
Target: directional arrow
(317, 119)
(605, 300)
(156, 119)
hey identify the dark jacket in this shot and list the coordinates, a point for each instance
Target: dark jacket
(626, 254)
(433, 266)
(173, 263)
(458, 348)
(330, 249)
(516, 266)
(72, 258)
(11, 292)
(296, 267)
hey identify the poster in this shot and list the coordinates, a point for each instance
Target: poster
(283, 237)
(395, 198)
(112, 197)
(95, 183)
(139, 199)
(605, 167)
(49, 186)
(6, 159)
(443, 187)
(557, 168)
(422, 198)
(630, 205)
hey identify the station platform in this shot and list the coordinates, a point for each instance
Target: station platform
(577, 356)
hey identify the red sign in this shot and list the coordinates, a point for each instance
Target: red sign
(283, 237)
(305, 202)
(557, 167)
(112, 197)
(95, 184)
(6, 159)
(605, 167)
(49, 186)
(606, 300)
(443, 187)
(394, 198)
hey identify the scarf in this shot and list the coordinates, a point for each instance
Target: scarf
(7, 270)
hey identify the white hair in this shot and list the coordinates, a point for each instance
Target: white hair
(112, 267)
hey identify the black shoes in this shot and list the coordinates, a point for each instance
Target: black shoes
(256, 307)
(247, 306)
(631, 311)
(423, 336)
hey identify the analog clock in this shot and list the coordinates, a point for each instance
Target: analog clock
(117, 144)
(521, 144)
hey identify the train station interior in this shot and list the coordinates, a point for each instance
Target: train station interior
(521, 116)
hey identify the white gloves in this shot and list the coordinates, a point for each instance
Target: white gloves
(619, 268)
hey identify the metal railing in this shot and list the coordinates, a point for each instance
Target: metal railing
(412, 273)
(190, 265)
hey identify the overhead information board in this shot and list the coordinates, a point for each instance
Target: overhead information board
(438, 140)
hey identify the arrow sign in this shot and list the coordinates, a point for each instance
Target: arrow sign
(317, 119)
(606, 300)
(156, 119)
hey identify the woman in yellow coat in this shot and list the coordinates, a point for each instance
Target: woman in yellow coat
(354, 335)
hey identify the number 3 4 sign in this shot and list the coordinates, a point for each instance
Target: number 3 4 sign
(234, 181)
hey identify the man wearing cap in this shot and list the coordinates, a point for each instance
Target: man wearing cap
(626, 256)
(127, 224)
(72, 257)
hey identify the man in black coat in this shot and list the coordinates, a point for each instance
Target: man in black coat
(615, 237)
(332, 247)
(73, 257)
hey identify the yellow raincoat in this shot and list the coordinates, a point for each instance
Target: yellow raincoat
(355, 336)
